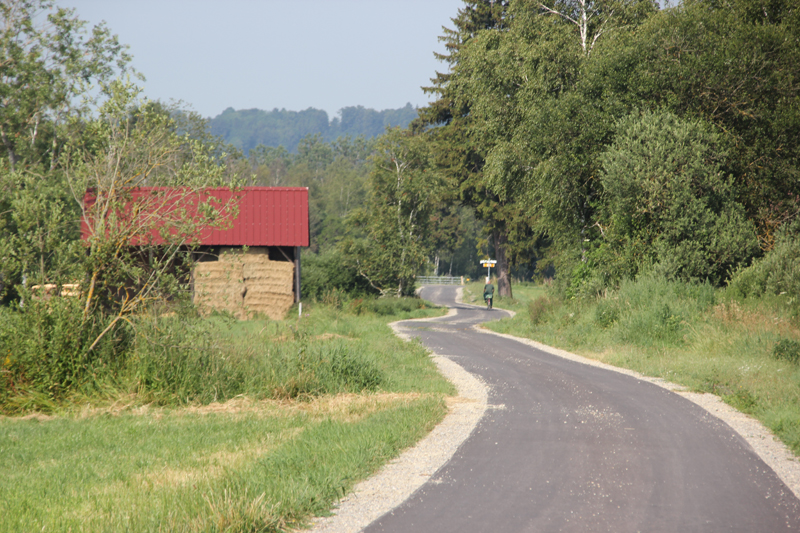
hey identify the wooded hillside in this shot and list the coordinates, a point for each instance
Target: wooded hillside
(248, 128)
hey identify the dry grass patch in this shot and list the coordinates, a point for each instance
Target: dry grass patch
(41, 417)
(322, 337)
(346, 407)
(732, 315)
(214, 465)
(350, 407)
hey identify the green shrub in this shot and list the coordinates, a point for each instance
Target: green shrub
(787, 350)
(45, 346)
(586, 282)
(540, 308)
(670, 197)
(777, 273)
(329, 272)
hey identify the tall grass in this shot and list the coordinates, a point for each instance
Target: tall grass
(180, 358)
(45, 356)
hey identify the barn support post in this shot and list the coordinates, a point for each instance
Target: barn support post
(297, 274)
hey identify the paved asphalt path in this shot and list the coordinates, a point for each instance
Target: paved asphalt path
(570, 447)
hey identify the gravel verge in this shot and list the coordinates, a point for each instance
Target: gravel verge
(400, 478)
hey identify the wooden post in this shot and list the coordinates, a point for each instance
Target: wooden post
(296, 274)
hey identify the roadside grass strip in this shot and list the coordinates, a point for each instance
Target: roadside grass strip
(690, 335)
(265, 460)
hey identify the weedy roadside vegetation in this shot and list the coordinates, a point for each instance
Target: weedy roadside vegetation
(741, 342)
(212, 424)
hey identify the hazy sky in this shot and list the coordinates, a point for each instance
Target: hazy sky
(264, 54)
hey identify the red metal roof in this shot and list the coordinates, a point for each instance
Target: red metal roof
(268, 216)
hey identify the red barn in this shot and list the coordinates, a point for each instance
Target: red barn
(272, 223)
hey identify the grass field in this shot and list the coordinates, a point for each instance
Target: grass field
(693, 335)
(257, 462)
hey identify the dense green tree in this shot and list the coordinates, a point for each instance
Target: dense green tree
(670, 202)
(40, 243)
(541, 132)
(47, 64)
(48, 61)
(396, 216)
(735, 64)
(445, 124)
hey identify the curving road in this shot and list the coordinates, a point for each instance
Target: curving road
(571, 447)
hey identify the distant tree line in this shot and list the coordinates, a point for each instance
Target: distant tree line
(248, 128)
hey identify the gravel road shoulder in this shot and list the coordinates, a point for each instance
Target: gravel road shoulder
(399, 479)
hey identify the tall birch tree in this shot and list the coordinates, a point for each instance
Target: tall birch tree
(395, 218)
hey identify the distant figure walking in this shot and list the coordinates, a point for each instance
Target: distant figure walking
(488, 293)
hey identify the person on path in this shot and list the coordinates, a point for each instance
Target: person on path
(488, 293)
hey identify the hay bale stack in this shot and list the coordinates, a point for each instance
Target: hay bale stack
(269, 284)
(220, 285)
(245, 284)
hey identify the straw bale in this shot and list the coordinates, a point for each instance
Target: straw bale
(226, 298)
(255, 258)
(275, 276)
(275, 268)
(245, 284)
(219, 285)
(273, 305)
(218, 270)
(258, 286)
(281, 286)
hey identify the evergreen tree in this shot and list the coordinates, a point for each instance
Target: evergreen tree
(456, 153)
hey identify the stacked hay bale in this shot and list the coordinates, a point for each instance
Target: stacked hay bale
(245, 285)
(219, 285)
(269, 284)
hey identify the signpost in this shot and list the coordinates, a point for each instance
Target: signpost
(489, 263)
